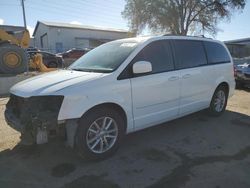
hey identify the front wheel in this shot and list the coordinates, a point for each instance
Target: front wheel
(219, 101)
(99, 133)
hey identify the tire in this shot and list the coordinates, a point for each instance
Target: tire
(13, 59)
(52, 64)
(87, 133)
(219, 101)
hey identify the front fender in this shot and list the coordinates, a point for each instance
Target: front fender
(75, 106)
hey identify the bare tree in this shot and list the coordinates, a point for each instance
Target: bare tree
(179, 16)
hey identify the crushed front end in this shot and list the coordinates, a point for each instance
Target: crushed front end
(35, 117)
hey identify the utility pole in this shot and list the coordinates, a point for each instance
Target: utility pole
(25, 25)
(24, 17)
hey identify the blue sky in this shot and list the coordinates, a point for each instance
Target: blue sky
(99, 13)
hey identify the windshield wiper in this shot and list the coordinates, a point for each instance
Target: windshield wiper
(91, 70)
(82, 70)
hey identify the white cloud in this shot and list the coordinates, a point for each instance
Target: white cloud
(1, 21)
(75, 22)
(31, 30)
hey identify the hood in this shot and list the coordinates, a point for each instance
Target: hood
(50, 83)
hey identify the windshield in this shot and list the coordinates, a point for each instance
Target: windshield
(105, 58)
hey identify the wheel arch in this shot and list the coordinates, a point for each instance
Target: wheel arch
(217, 85)
(211, 108)
(72, 125)
(225, 85)
(110, 105)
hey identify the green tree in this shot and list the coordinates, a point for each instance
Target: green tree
(179, 16)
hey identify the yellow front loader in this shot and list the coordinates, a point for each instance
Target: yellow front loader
(13, 57)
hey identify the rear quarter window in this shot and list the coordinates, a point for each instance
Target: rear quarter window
(216, 53)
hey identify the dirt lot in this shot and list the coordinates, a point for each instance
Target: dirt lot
(195, 151)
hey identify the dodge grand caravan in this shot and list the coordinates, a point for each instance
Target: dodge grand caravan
(121, 87)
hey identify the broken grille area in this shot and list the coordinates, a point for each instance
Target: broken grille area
(35, 111)
(16, 104)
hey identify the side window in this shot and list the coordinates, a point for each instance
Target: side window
(159, 54)
(189, 53)
(216, 53)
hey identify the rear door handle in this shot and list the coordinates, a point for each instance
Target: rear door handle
(173, 78)
(186, 76)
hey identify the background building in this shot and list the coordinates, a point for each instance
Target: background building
(59, 37)
(239, 48)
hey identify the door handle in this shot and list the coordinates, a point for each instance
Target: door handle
(186, 76)
(173, 78)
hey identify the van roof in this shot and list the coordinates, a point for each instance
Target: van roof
(142, 39)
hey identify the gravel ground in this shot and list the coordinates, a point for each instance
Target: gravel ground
(194, 151)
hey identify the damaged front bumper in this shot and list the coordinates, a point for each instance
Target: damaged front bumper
(12, 121)
(34, 117)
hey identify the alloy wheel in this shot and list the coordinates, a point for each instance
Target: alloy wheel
(219, 101)
(102, 135)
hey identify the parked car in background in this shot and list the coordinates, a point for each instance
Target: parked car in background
(49, 60)
(31, 48)
(121, 87)
(72, 55)
(242, 72)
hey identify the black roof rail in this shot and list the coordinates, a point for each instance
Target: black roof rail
(200, 36)
(169, 35)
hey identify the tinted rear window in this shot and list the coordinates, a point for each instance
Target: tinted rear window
(189, 53)
(216, 53)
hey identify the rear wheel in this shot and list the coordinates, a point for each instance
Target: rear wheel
(219, 101)
(13, 59)
(99, 133)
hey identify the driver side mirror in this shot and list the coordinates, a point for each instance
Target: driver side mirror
(141, 67)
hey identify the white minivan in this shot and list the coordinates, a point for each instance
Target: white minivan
(121, 87)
